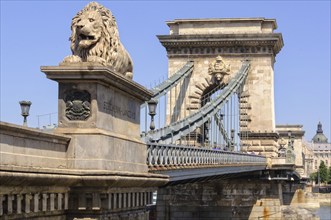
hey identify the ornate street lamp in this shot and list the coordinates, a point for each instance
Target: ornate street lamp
(290, 154)
(232, 139)
(25, 108)
(152, 112)
(290, 140)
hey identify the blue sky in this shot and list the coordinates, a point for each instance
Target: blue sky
(35, 33)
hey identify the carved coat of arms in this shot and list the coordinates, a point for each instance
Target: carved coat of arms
(78, 105)
(219, 70)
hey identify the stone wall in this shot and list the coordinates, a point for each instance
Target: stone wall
(27, 147)
(38, 182)
(220, 199)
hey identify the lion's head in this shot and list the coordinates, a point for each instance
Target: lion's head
(87, 30)
(95, 39)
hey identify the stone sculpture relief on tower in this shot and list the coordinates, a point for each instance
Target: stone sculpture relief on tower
(95, 41)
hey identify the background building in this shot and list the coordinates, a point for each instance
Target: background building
(321, 149)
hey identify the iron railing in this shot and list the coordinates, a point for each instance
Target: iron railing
(173, 156)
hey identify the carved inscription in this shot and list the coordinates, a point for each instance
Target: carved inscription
(118, 111)
(78, 105)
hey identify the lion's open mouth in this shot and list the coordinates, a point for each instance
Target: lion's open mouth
(86, 37)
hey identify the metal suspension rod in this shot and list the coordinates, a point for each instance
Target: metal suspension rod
(200, 117)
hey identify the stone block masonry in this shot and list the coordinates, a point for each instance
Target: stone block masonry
(201, 41)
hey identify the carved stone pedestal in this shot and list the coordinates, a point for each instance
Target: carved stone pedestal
(100, 110)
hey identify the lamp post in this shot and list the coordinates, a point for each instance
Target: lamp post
(25, 108)
(290, 154)
(290, 140)
(152, 112)
(232, 139)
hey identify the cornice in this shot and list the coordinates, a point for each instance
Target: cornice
(249, 135)
(222, 43)
(88, 72)
(298, 134)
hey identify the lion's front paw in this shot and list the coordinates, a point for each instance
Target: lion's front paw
(128, 75)
(96, 60)
(71, 59)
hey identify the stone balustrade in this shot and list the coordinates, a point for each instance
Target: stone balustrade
(111, 201)
(169, 156)
(33, 203)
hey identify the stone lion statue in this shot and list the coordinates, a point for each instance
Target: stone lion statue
(95, 39)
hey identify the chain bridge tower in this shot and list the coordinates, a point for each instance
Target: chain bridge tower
(228, 42)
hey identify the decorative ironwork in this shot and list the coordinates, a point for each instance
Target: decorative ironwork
(161, 156)
(78, 105)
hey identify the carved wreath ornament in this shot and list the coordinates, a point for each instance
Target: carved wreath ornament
(78, 105)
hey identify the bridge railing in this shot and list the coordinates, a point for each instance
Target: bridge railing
(174, 156)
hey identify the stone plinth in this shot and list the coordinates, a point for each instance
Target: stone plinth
(100, 110)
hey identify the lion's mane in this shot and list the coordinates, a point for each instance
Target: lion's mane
(108, 47)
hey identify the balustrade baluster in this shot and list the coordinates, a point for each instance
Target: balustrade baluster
(156, 155)
(159, 159)
(194, 156)
(169, 156)
(59, 201)
(44, 202)
(36, 202)
(209, 157)
(28, 198)
(150, 155)
(185, 156)
(165, 155)
(189, 159)
(51, 202)
(10, 199)
(175, 156)
(19, 199)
